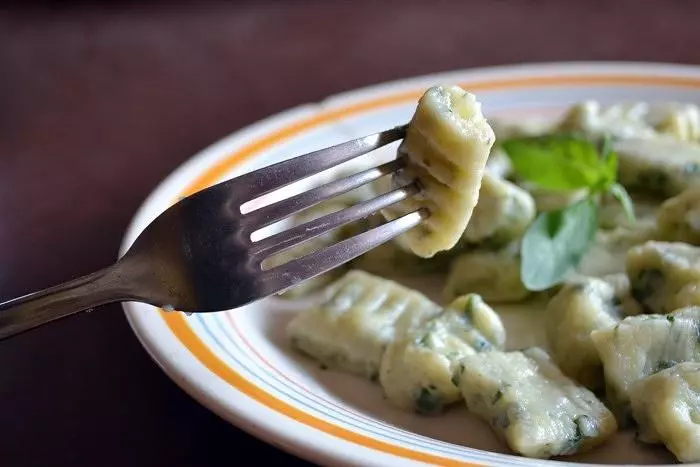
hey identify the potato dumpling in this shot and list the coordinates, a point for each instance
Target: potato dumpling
(547, 200)
(499, 164)
(532, 405)
(320, 242)
(446, 146)
(621, 284)
(418, 370)
(640, 346)
(495, 275)
(507, 128)
(503, 213)
(608, 252)
(660, 167)
(634, 120)
(611, 214)
(679, 218)
(664, 276)
(392, 258)
(666, 407)
(580, 307)
(359, 316)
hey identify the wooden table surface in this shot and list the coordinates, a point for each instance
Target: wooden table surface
(99, 101)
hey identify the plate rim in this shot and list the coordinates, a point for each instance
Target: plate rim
(269, 432)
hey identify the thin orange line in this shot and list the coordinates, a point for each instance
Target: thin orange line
(194, 344)
(590, 80)
(249, 347)
(183, 331)
(214, 173)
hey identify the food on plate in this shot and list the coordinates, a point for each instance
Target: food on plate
(502, 214)
(446, 146)
(570, 307)
(613, 215)
(532, 405)
(418, 369)
(579, 308)
(634, 120)
(495, 275)
(621, 284)
(608, 252)
(642, 345)
(659, 167)
(393, 258)
(550, 200)
(664, 276)
(359, 316)
(679, 218)
(322, 241)
(666, 407)
(498, 163)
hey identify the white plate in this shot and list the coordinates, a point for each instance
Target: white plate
(238, 364)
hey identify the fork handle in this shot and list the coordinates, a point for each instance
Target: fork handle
(35, 309)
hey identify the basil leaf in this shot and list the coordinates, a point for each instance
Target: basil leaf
(555, 243)
(620, 194)
(558, 162)
(611, 166)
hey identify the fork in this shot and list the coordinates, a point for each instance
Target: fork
(197, 256)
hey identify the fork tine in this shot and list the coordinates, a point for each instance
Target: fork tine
(291, 273)
(309, 230)
(259, 182)
(269, 214)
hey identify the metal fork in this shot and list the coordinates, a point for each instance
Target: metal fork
(198, 256)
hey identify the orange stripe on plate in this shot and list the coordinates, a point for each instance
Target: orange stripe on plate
(214, 173)
(178, 324)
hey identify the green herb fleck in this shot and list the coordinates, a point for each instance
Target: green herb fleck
(457, 375)
(499, 394)
(664, 364)
(645, 286)
(497, 397)
(501, 421)
(428, 402)
(670, 318)
(585, 427)
(469, 307)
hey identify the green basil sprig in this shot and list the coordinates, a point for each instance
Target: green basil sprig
(556, 241)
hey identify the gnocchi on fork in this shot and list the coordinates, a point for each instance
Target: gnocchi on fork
(198, 255)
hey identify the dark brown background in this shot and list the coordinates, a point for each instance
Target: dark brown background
(100, 101)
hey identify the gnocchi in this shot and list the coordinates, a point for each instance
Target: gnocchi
(531, 404)
(447, 144)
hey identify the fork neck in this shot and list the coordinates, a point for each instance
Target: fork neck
(111, 284)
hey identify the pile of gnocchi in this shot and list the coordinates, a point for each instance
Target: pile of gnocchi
(622, 347)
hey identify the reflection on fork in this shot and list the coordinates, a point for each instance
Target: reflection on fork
(199, 255)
